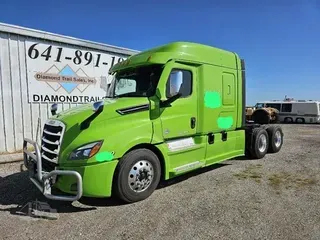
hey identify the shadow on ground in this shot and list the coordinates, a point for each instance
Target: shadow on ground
(17, 189)
(194, 173)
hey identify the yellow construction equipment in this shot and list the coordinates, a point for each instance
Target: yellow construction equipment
(262, 115)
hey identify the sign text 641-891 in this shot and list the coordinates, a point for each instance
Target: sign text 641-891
(79, 57)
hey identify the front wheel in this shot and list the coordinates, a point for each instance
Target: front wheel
(137, 175)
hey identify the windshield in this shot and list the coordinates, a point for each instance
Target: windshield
(259, 105)
(137, 82)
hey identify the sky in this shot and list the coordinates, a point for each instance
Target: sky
(279, 39)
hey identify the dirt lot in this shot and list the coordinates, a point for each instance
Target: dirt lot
(277, 197)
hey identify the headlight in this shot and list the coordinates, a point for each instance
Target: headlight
(86, 151)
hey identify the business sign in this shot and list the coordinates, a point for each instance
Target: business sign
(67, 74)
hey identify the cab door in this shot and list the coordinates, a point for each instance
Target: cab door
(185, 149)
(179, 119)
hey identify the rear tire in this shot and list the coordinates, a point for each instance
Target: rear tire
(260, 143)
(288, 120)
(300, 120)
(275, 138)
(137, 175)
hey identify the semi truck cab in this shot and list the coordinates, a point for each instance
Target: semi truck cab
(169, 110)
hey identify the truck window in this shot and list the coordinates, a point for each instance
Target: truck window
(286, 107)
(139, 82)
(259, 105)
(184, 87)
(274, 105)
(125, 86)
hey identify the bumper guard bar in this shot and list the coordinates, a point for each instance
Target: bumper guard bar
(44, 180)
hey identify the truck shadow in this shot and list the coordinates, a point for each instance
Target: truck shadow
(17, 189)
(188, 175)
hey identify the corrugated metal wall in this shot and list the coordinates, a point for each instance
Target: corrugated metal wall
(18, 118)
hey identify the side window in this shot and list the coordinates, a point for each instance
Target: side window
(125, 86)
(259, 105)
(274, 105)
(286, 107)
(180, 81)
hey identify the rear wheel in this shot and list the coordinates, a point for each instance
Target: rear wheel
(300, 120)
(288, 120)
(260, 143)
(275, 138)
(137, 175)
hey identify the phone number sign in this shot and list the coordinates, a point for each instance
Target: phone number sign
(58, 73)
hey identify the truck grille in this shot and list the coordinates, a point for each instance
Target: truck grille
(50, 144)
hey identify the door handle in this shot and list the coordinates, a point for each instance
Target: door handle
(193, 122)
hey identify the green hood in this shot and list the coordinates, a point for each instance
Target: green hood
(78, 114)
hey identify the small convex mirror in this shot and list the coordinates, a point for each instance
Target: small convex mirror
(97, 106)
(54, 108)
(175, 82)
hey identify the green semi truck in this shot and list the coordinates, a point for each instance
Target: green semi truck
(169, 110)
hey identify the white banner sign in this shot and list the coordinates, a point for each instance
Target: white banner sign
(67, 74)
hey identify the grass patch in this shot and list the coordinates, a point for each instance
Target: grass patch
(278, 180)
(288, 181)
(250, 173)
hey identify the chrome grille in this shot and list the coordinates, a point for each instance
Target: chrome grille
(50, 143)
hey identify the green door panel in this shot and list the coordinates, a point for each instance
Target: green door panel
(228, 89)
(183, 155)
(217, 99)
(177, 119)
(228, 116)
(222, 150)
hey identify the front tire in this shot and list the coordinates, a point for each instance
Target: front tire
(137, 175)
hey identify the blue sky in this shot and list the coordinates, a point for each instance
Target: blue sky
(280, 40)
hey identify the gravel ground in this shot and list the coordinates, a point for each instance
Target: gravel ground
(277, 197)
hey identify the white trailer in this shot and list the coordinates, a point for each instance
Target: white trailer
(295, 111)
(38, 68)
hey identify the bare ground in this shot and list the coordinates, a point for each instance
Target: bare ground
(277, 197)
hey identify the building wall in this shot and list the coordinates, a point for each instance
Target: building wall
(21, 116)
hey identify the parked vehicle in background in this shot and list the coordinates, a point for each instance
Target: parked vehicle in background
(294, 111)
(262, 115)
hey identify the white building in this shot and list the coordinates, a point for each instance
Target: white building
(38, 68)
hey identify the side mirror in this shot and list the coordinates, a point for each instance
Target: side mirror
(98, 106)
(176, 79)
(54, 108)
(167, 103)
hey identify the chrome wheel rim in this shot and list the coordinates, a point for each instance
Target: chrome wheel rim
(262, 143)
(141, 176)
(278, 139)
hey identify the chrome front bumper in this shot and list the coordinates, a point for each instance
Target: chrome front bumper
(45, 180)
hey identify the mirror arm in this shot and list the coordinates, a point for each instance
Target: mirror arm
(167, 103)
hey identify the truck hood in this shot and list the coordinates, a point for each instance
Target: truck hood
(78, 114)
